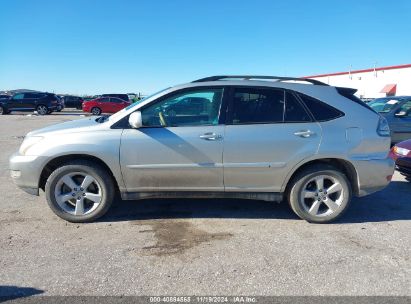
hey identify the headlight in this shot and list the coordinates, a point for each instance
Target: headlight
(29, 142)
(401, 151)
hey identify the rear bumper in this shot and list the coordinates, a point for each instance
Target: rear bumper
(373, 175)
(25, 171)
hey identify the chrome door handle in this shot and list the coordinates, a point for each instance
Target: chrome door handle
(211, 136)
(304, 133)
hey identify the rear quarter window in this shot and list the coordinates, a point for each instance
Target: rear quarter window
(320, 110)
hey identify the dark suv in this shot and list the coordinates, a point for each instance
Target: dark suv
(43, 103)
(73, 102)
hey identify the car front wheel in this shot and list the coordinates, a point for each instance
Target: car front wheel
(320, 194)
(80, 191)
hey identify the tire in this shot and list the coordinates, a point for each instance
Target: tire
(313, 205)
(3, 111)
(42, 109)
(73, 203)
(96, 111)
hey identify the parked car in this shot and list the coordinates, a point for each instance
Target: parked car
(121, 96)
(43, 103)
(397, 110)
(73, 102)
(104, 105)
(313, 145)
(401, 153)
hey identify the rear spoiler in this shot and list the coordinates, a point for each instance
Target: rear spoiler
(349, 93)
(346, 91)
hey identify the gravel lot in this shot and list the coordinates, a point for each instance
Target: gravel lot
(199, 247)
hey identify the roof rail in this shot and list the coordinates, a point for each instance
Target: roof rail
(249, 77)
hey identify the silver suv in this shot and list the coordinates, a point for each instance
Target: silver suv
(247, 137)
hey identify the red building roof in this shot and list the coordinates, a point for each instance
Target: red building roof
(392, 67)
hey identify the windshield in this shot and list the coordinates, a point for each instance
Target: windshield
(383, 105)
(135, 104)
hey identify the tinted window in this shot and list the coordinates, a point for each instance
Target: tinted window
(105, 99)
(116, 100)
(31, 95)
(254, 105)
(189, 108)
(320, 110)
(121, 96)
(294, 111)
(384, 105)
(406, 108)
(18, 96)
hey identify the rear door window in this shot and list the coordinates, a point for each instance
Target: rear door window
(257, 105)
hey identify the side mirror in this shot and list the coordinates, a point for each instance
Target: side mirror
(135, 120)
(401, 114)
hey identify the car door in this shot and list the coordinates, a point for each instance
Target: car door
(15, 103)
(104, 104)
(29, 100)
(174, 151)
(400, 122)
(69, 101)
(116, 104)
(267, 133)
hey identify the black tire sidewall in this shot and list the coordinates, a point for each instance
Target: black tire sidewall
(300, 181)
(102, 177)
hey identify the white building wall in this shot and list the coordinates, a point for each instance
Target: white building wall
(369, 84)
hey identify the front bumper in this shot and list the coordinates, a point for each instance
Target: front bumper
(373, 174)
(404, 165)
(25, 171)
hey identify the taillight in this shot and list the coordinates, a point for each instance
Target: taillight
(383, 128)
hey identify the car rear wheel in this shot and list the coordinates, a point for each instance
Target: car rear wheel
(80, 191)
(320, 194)
(42, 109)
(2, 111)
(96, 111)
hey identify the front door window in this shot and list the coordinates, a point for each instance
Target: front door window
(189, 108)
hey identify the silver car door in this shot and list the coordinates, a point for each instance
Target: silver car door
(179, 147)
(259, 147)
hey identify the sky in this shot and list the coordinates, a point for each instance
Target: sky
(124, 46)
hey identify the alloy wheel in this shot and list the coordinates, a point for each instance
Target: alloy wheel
(96, 111)
(78, 193)
(322, 195)
(42, 110)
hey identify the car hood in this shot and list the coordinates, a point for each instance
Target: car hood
(79, 125)
(405, 144)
